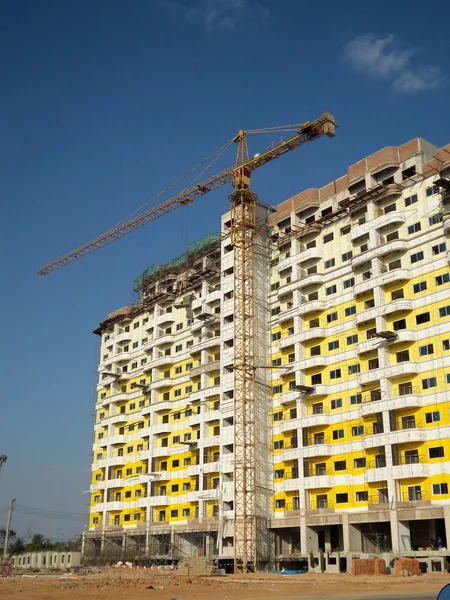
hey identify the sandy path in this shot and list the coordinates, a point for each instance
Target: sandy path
(117, 585)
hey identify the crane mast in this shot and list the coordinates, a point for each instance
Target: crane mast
(243, 234)
(243, 229)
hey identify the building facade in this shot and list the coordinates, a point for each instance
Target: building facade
(352, 332)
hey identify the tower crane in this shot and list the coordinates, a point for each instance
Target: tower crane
(243, 231)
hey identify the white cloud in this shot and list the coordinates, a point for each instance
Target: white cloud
(215, 14)
(377, 55)
(425, 78)
(383, 58)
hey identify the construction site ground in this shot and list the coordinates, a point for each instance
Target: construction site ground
(116, 584)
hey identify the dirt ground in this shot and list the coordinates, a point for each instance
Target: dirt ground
(115, 584)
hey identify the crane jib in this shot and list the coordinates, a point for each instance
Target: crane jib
(325, 125)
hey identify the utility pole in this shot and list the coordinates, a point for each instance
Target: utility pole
(8, 527)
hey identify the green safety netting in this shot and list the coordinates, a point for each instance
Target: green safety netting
(180, 260)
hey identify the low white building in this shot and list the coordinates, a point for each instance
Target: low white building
(47, 559)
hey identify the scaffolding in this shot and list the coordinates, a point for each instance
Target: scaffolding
(180, 265)
(150, 548)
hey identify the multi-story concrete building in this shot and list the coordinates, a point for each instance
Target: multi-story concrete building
(353, 340)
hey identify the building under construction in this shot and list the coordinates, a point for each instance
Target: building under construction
(350, 373)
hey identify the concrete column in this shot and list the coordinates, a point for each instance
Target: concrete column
(303, 534)
(395, 538)
(355, 539)
(209, 545)
(345, 532)
(447, 523)
(172, 542)
(403, 530)
(147, 541)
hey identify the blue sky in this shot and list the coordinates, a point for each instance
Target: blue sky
(105, 103)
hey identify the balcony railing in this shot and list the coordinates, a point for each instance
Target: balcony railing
(321, 503)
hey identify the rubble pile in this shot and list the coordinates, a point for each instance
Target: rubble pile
(197, 566)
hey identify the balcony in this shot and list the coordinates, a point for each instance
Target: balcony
(316, 419)
(288, 314)
(364, 285)
(319, 389)
(162, 428)
(402, 304)
(403, 436)
(320, 508)
(414, 499)
(150, 324)
(107, 362)
(393, 276)
(286, 263)
(369, 407)
(404, 335)
(365, 257)
(212, 440)
(375, 440)
(370, 376)
(391, 247)
(165, 319)
(312, 334)
(116, 439)
(309, 254)
(409, 434)
(207, 367)
(123, 336)
(314, 362)
(368, 314)
(406, 367)
(288, 397)
(287, 288)
(213, 295)
(319, 449)
(161, 360)
(319, 481)
(209, 340)
(163, 383)
(211, 467)
(310, 306)
(150, 344)
(115, 398)
(164, 338)
(168, 450)
(288, 340)
(311, 279)
(360, 230)
(392, 218)
(161, 500)
(368, 345)
(376, 472)
(411, 467)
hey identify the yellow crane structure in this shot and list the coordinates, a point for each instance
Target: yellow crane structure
(243, 230)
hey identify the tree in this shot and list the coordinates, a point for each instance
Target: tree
(12, 535)
(12, 538)
(39, 542)
(17, 546)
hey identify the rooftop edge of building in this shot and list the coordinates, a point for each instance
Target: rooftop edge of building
(432, 160)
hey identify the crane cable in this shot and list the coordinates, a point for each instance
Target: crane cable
(218, 152)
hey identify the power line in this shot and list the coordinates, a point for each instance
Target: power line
(49, 514)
